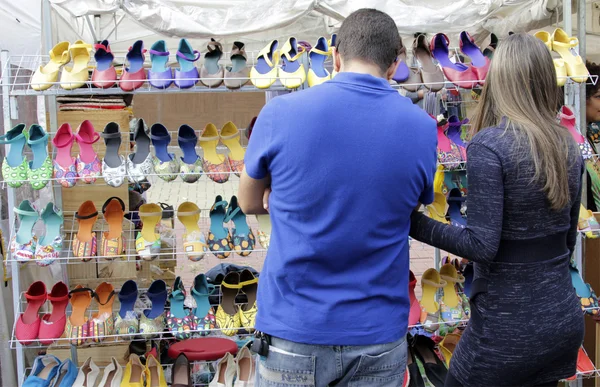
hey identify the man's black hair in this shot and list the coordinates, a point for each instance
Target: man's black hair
(371, 36)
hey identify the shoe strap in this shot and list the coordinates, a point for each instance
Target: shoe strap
(95, 137)
(216, 205)
(188, 213)
(249, 282)
(182, 56)
(211, 291)
(188, 139)
(441, 284)
(25, 212)
(458, 280)
(109, 200)
(177, 294)
(90, 216)
(301, 51)
(100, 46)
(57, 298)
(214, 46)
(213, 138)
(30, 297)
(573, 42)
(110, 296)
(230, 136)
(81, 290)
(231, 286)
(320, 52)
(81, 45)
(64, 58)
(231, 214)
(157, 137)
(150, 214)
(159, 53)
(110, 135)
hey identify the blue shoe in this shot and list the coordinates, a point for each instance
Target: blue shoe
(179, 321)
(160, 75)
(191, 163)
(241, 234)
(455, 200)
(165, 163)
(153, 321)
(67, 373)
(43, 374)
(204, 314)
(15, 168)
(219, 240)
(127, 321)
(40, 168)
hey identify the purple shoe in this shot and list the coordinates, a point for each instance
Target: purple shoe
(402, 71)
(186, 75)
(160, 76)
(455, 130)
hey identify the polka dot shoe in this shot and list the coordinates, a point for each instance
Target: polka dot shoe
(219, 240)
(241, 235)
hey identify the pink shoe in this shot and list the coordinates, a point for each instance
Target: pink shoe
(65, 170)
(28, 324)
(479, 62)
(414, 313)
(104, 75)
(567, 119)
(134, 76)
(53, 324)
(89, 167)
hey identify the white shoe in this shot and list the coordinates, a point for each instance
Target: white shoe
(225, 372)
(113, 373)
(245, 368)
(88, 373)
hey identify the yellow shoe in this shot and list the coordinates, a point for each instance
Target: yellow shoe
(564, 45)
(448, 345)
(227, 316)
(545, 37)
(561, 72)
(588, 223)
(437, 210)
(247, 312)
(230, 137)
(46, 75)
(194, 243)
(430, 309)
(147, 241)
(292, 74)
(214, 164)
(264, 73)
(154, 373)
(317, 73)
(76, 76)
(134, 372)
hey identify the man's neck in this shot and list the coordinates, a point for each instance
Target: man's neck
(362, 68)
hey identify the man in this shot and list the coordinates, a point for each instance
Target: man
(347, 162)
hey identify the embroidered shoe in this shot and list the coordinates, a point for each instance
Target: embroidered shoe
(88, 164)
(139, 163)
(114, 168)
(40, 168)
(15, 167)
(241, 234)
(103, 322)
(112, 244)
(215, 165)
(219, 239)
(50, 245)
(23, 245)
(65, 170)
(165, 163)
(77, 327)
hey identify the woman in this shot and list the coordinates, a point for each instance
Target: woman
(524, 174)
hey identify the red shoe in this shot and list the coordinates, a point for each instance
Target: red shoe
(414, 313)
(53, 324)
(28, 324)
(479, 62)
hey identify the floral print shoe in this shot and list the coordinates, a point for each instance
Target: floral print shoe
(114, 168)
(65, 170)
(180, 322)
(15, 167)
(50, 245)
(165, 163)
(40, 168)
(214, 164)
(89, 167)
(23, 244)
(139, 163)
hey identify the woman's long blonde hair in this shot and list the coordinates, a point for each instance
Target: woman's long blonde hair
(521, 86)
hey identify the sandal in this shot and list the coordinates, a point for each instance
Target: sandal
(215, 165)
(194, 243)
(247, 312)
(105, 74)
(45, 76)
(437, 210)
(430, 312)
(264, 73)
(219, 239)
(191, 163)
(203, 313)
(77, 327)
(76, 76)
(15, 167)
(458, 73)
(165, 163)
(113, 242)
(564, 45)
(237, 75)
(448, 153)
(479, 62)
(134, 76)
(317, 73)
(180, 322)
(211, 73)
(85, 242)
(24, 244)
(28, 323)
(433, 78)
(186, 76)
(230, 137)
(228, 316)
(264, 230)
(292, 74)
(241, 234)
(139, 163)
(54, 323)
(448, 345)
(402, 72)
(49, 246)
(65, 169)
(147, 242)
(451, 305)
(455, 200)
(153, 321)
(127, 322)
(160, 75)
(103, 321)
(40, 168)
(114, 168)
(88, 164)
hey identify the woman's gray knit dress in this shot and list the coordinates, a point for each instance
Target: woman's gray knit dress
(526, 321)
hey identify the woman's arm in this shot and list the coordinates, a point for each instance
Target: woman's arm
(479, 241)
(572, 235)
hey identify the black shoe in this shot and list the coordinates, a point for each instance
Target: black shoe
(416, 380)
(435, 369)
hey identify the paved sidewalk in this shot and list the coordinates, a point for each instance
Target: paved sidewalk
(203, 194)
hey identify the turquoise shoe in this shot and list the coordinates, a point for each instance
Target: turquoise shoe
(241, 234)
(50, 245)
(23, 244)
(40, 168)
(15, 167)
(219, 240)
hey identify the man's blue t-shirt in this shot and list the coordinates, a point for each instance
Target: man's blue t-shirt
(349, 161)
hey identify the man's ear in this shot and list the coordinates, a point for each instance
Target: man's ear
(392, 69)
(337, 60)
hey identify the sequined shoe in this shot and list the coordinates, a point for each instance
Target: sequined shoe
(228, 316)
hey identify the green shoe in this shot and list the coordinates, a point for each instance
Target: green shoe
(15, 167)
(40, 168)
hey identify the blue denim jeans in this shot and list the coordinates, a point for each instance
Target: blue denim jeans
(290, 364)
